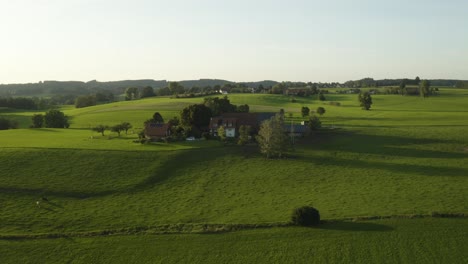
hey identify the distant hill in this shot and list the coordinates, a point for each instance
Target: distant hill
(50, 88)
(75, 88)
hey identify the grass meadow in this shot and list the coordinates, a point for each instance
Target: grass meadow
(407, 156)
(376, 241)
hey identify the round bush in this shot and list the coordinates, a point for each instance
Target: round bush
(306, 216)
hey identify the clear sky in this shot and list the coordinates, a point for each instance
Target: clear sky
(238, 40)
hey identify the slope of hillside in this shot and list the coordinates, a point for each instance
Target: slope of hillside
(408, 155)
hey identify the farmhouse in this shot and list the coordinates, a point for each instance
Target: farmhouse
(233, 121)
(157, 130)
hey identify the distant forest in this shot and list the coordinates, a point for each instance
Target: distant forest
(50, 88)
(44, 94)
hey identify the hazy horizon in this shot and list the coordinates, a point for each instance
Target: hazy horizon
(296, 40)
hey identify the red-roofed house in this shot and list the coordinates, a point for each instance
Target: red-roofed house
(157, 130)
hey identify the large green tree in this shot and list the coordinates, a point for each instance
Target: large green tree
(85, 101)
(117, 128)
(56, 119)
(365, 100)
(100, 129)
(244, 132)
(147, 91)
(272, 138)
(314, 123)
(219, 105)
(425, 88)
(7, 123)
(305, 111)
(157, 118)
(195, 117)
(131, 93)
(37, 120)
(221, 134)
(320, 110)
(126, 126)
(176, 88)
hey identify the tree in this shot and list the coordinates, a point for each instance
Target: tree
(365, 100)
(126, 126)
(157, 118)
(117, 128)
(281, 113)
(305, 111)
(56, 119)
(243, 108)
(220, 105)
(424, 88)
(417, 80)
(100, 129)
(37, 120)
(174, 121)
(131, 93)
(320, 110)
(278, 88)
(314, 123)
(176, 88)
(321, 97)
(221, 134)
(403, 84)
(85, 101)
(244, 132)
(7, 123)
(272, 138)
(147, 92)
(305, 216)
(195, 117)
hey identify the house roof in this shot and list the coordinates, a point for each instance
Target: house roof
(157, 129)
(239, 119)
(296, 128)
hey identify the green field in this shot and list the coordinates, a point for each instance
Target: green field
(382, 241)
(407, 156)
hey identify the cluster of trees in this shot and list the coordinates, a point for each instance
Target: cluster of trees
(124, 126)
(51, 119)
(223, 105)
(18, 103)
(425, 89)
(273, 139)
(172, 88)
(93, 99)
(132, 93)
(461, 84)
(35, 103)
(370, 82)
(305, 111)
(74, 88)
(194, 118)
(6, 123)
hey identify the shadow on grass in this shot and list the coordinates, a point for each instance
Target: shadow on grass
(55, 205)
(48, 129)
(355, 226)
(383, 145)
(167, 170)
